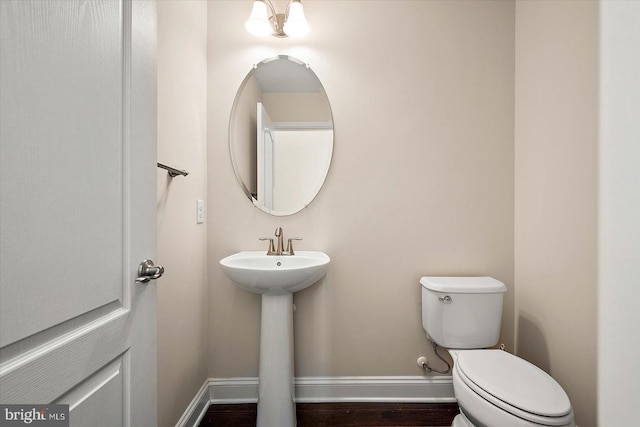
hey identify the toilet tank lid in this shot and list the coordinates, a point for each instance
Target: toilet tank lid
(463, 285)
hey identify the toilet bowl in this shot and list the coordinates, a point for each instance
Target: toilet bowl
(493, 388)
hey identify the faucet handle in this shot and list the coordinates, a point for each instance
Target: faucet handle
(272, 248)
(289, 249)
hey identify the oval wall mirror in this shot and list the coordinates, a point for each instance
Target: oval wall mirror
(281, 135)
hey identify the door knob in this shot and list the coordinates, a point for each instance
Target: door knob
(147, 271)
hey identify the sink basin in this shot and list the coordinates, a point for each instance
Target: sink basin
(258, 272)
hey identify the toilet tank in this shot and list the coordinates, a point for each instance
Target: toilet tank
(462, 312)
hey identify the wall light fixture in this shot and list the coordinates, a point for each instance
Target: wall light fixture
(264, 20)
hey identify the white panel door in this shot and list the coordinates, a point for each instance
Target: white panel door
(266, 157)
(77, 207)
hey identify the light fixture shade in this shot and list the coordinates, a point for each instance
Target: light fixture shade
(296, 25)
(258, 22)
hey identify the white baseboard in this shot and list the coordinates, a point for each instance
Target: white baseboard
(233, 390)
(374, 389)
(323, 389)
(196, 409)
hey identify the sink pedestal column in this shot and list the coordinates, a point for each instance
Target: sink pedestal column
(276, 404)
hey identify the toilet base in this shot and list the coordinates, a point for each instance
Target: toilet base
(461, 421)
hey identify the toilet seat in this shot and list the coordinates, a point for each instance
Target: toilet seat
(498, 378)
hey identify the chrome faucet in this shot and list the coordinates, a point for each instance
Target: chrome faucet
(279, 250)
(280, 237)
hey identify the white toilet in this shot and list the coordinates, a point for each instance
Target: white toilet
(493, 388)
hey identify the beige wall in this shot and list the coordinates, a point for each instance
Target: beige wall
(297, 107)
(556, 137)
(422, 179)
(182, 245)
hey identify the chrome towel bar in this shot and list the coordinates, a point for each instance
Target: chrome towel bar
(173, 172)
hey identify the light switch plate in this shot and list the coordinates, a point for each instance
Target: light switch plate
(200, 212)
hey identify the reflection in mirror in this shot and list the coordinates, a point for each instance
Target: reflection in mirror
(281, 135)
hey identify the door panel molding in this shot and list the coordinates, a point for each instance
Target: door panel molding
(47, 372)
(47, 336)
(92, 385)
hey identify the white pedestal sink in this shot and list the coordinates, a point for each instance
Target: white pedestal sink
(276, 278)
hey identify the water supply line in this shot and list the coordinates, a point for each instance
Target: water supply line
(428, 369)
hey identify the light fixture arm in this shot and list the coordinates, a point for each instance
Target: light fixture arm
(271, 7)
(277, 20)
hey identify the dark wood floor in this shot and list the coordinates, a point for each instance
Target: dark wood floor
(341, 414)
